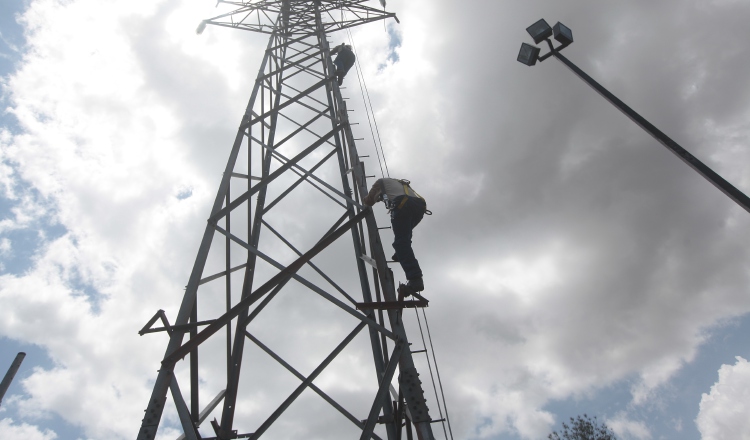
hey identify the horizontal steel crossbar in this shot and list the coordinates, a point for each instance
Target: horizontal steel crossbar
(310, 263)
(290, 270)
(312, 386)
(271, 112)
(271, 177)
(312, 286)
(306, 383)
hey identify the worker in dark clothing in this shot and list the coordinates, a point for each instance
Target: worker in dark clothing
(407, 209)
(344, 60)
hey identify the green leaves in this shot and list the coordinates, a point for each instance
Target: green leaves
(583, 428)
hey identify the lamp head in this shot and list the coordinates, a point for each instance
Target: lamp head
(539, 31)
(528, 54)
(563, 34)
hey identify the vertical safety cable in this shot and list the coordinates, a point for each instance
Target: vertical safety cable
(432, 377)
(369, 111)
(377, 132)
(437, 371)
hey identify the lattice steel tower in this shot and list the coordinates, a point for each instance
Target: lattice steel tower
(293, 165)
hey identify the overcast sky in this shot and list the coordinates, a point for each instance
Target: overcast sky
(573, 264)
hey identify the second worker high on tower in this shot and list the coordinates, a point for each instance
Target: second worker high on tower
(407, 209)
(344, 60)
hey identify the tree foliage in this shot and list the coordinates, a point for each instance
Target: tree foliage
(583, 428)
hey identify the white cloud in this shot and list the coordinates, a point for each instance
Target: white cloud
(723, 411)
(566, 252)
(627, 428)
(6, 171)
(107, 155)
(25, 431)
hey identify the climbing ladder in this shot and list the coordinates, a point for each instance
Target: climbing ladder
(293, 166)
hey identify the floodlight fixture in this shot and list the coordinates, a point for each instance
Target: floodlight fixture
(539, 31)
(528, 54)
(563, 34)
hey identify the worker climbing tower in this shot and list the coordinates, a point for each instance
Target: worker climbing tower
(287, 243)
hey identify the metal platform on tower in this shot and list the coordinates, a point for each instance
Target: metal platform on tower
(266, 269)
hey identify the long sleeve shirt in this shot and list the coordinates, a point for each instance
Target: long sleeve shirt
(393, 189)
(340, 47)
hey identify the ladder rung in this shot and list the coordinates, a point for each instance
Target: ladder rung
(244, 176)
(392, 305)
(367, 259)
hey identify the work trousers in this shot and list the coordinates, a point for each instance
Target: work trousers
(403, 221)
(343, 62)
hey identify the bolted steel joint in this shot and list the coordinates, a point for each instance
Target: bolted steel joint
(414, 395)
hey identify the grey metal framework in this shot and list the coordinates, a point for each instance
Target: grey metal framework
(293, 165)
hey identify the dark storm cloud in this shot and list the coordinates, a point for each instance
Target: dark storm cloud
(653, 254)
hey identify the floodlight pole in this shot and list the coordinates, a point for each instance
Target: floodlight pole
(704, 170)
(11, 374)
(727, 188)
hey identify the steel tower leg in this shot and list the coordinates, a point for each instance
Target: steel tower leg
(295, 123)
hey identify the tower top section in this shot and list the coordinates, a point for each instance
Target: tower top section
(263, 15)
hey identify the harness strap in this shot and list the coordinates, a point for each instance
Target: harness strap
(403, 202)
(384, 195)
(408, 190)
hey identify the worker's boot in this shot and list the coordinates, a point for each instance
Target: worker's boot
(395, 257)
(416, 284)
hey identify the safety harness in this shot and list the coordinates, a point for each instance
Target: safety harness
(408, 191)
